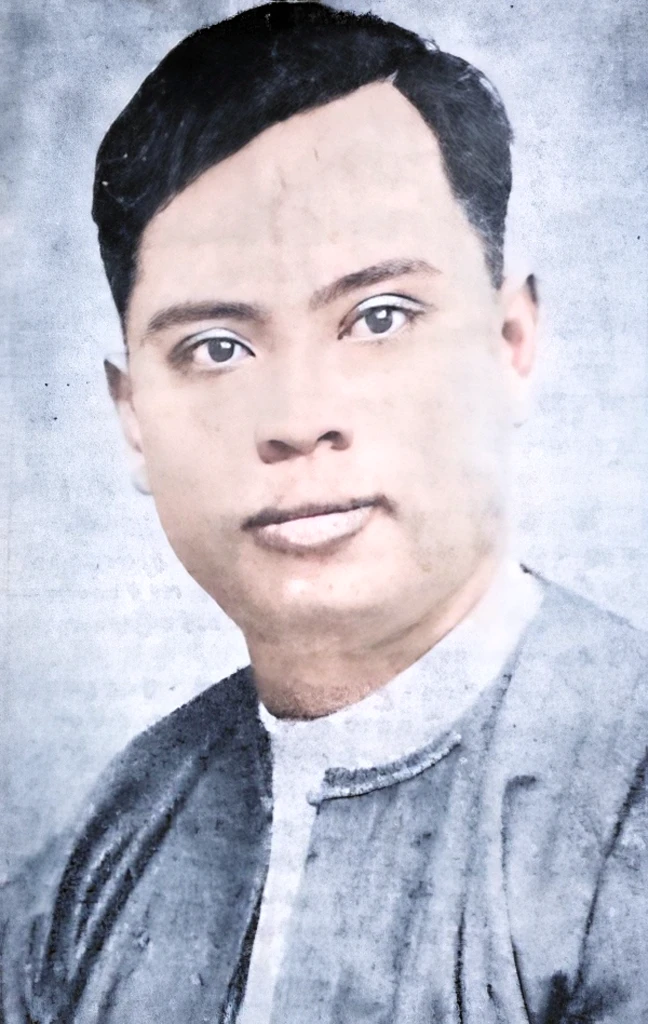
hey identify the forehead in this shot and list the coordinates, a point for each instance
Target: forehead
(328, 191)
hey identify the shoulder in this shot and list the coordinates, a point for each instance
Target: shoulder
(577, 618)
(576, 708)
(208, 716)
(131, 810)
(168, 749)
(596, 661)
(142, 783)
(566, 767)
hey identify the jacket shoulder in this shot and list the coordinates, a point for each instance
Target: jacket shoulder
(206, 721)
(596, 659)
(576, 706)
(148, 775)
(60, 895)
(568, 764)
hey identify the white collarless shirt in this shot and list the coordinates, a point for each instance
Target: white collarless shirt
(407, 713)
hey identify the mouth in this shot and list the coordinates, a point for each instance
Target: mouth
(312, 527)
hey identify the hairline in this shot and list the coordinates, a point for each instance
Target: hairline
(482, 236)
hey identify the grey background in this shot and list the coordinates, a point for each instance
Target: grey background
(101, 631)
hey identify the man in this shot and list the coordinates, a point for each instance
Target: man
(424, 800)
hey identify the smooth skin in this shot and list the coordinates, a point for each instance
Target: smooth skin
(313, 321)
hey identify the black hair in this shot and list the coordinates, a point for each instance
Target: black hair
(225, 84)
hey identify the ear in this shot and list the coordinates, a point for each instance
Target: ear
(519, 305)
(119, 386)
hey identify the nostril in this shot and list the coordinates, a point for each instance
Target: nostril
(275, 449)
(332, 435)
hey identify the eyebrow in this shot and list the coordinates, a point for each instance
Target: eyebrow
(375, 274)
(191, 312)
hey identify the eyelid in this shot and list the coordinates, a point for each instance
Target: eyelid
(211, 332)
(388, 299)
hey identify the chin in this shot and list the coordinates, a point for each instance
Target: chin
(331, 605)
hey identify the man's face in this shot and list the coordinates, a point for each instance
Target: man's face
(313, 323)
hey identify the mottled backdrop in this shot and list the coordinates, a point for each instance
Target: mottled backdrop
(101, 631)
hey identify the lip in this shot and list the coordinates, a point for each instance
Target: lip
(315, 532)
(270, 516)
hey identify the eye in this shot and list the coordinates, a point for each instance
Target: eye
(214, 349)
(381, 316)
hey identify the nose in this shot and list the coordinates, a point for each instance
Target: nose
(298, 415)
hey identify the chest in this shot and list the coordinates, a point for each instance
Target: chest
(403, 913)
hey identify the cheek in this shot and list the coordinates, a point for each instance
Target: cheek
(189, 448)
(444, 403)
(443, 430)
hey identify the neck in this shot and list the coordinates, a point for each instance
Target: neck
(304, 679)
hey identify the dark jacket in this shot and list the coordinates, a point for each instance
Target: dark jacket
(498, 876)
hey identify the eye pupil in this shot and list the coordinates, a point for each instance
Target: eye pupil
(220, 349)
(379, 320)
